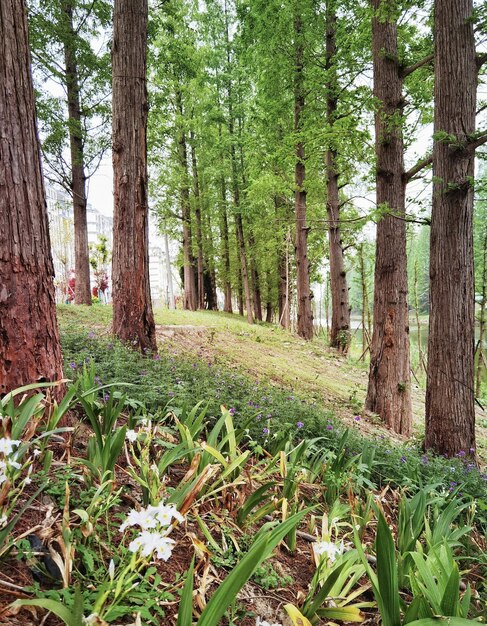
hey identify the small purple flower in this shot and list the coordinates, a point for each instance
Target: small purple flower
(460, 454)
(106, 397)
(329, 427)
(232, 411)
(110, 346)
(403, 459)
(269, 416)
(171, 394)
(357, 418)
(265, 431)
(425, 460)
(97, 380)
(258, 416)
(472, 450)
(300, 425)
(73, 365)
(157, 357)
(91, 334)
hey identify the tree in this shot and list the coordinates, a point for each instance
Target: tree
(389, 392)
(133, 320)
(450, 409)
(305, 313)
(63, 32)
(29, 341)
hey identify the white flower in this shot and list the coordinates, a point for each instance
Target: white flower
(141, 518)
(27, 480)
(3, 521)
(131, 435)
(36, 452)
(15, 464)
(165, 514)
(111, 569)
(6, 445)
(148, 543)
(329, 549)
(91, 619)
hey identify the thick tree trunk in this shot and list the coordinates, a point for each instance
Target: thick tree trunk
(133, 320)
(389, 393)
(268, 315)
(82, 293)
(450, 410)
(209, 264)
(305, 314)
(283, 272)
(199, 229)
(190, 299)
(340, 310)
(227, 285)
(29, 341)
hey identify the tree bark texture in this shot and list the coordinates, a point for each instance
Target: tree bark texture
(450, 414)
(340, 335)
(133, 320)
(199, 229)
(189, 278)
(82, 294)
(389, 393)
(29, 340)
(305, 313)
(227, 285)
(256, 295)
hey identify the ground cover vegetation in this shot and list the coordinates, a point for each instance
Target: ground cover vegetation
(143, 500)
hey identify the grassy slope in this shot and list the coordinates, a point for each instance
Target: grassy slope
(268, 353)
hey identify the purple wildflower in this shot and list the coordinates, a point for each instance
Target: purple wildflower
(300, 424)
(73, 365)
(232, 411)
(265, 431)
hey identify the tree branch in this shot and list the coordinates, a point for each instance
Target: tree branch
(480, 60)
(405, 71)
(418, 167)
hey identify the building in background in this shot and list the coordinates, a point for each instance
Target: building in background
(61, 228)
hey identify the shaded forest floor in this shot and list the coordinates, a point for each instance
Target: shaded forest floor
(267, 353)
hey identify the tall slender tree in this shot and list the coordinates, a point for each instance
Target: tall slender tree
(133, 319)
(389, 392)
(62, 44)
(305, 313)
(450, 409)
(29, 341)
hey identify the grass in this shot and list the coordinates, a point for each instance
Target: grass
(281, 495)
(267, 353)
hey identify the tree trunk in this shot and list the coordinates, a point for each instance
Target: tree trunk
(305, 314)
(133, 320)
(256, 297)
(268, 315)
(283, 271)
(227, 286)
(199, 229)
(82, 293)
(340, 336)
(29, 340)
(170, 290)
(209, 264)
(450, 410)
(190, 299)
(389, 393)
(482, 320)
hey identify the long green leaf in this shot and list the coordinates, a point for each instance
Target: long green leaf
(387, 573)
(50, 605)
(185, 610)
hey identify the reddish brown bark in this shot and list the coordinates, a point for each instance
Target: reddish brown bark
(305, 314)
(388, 392)
(227, 286)
(450, 409)
(78, 176)
(199, 231)
(133, 320)
(29, 341)
(340, 310)
(190, 298)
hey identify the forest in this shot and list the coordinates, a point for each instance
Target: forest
(299, 437)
